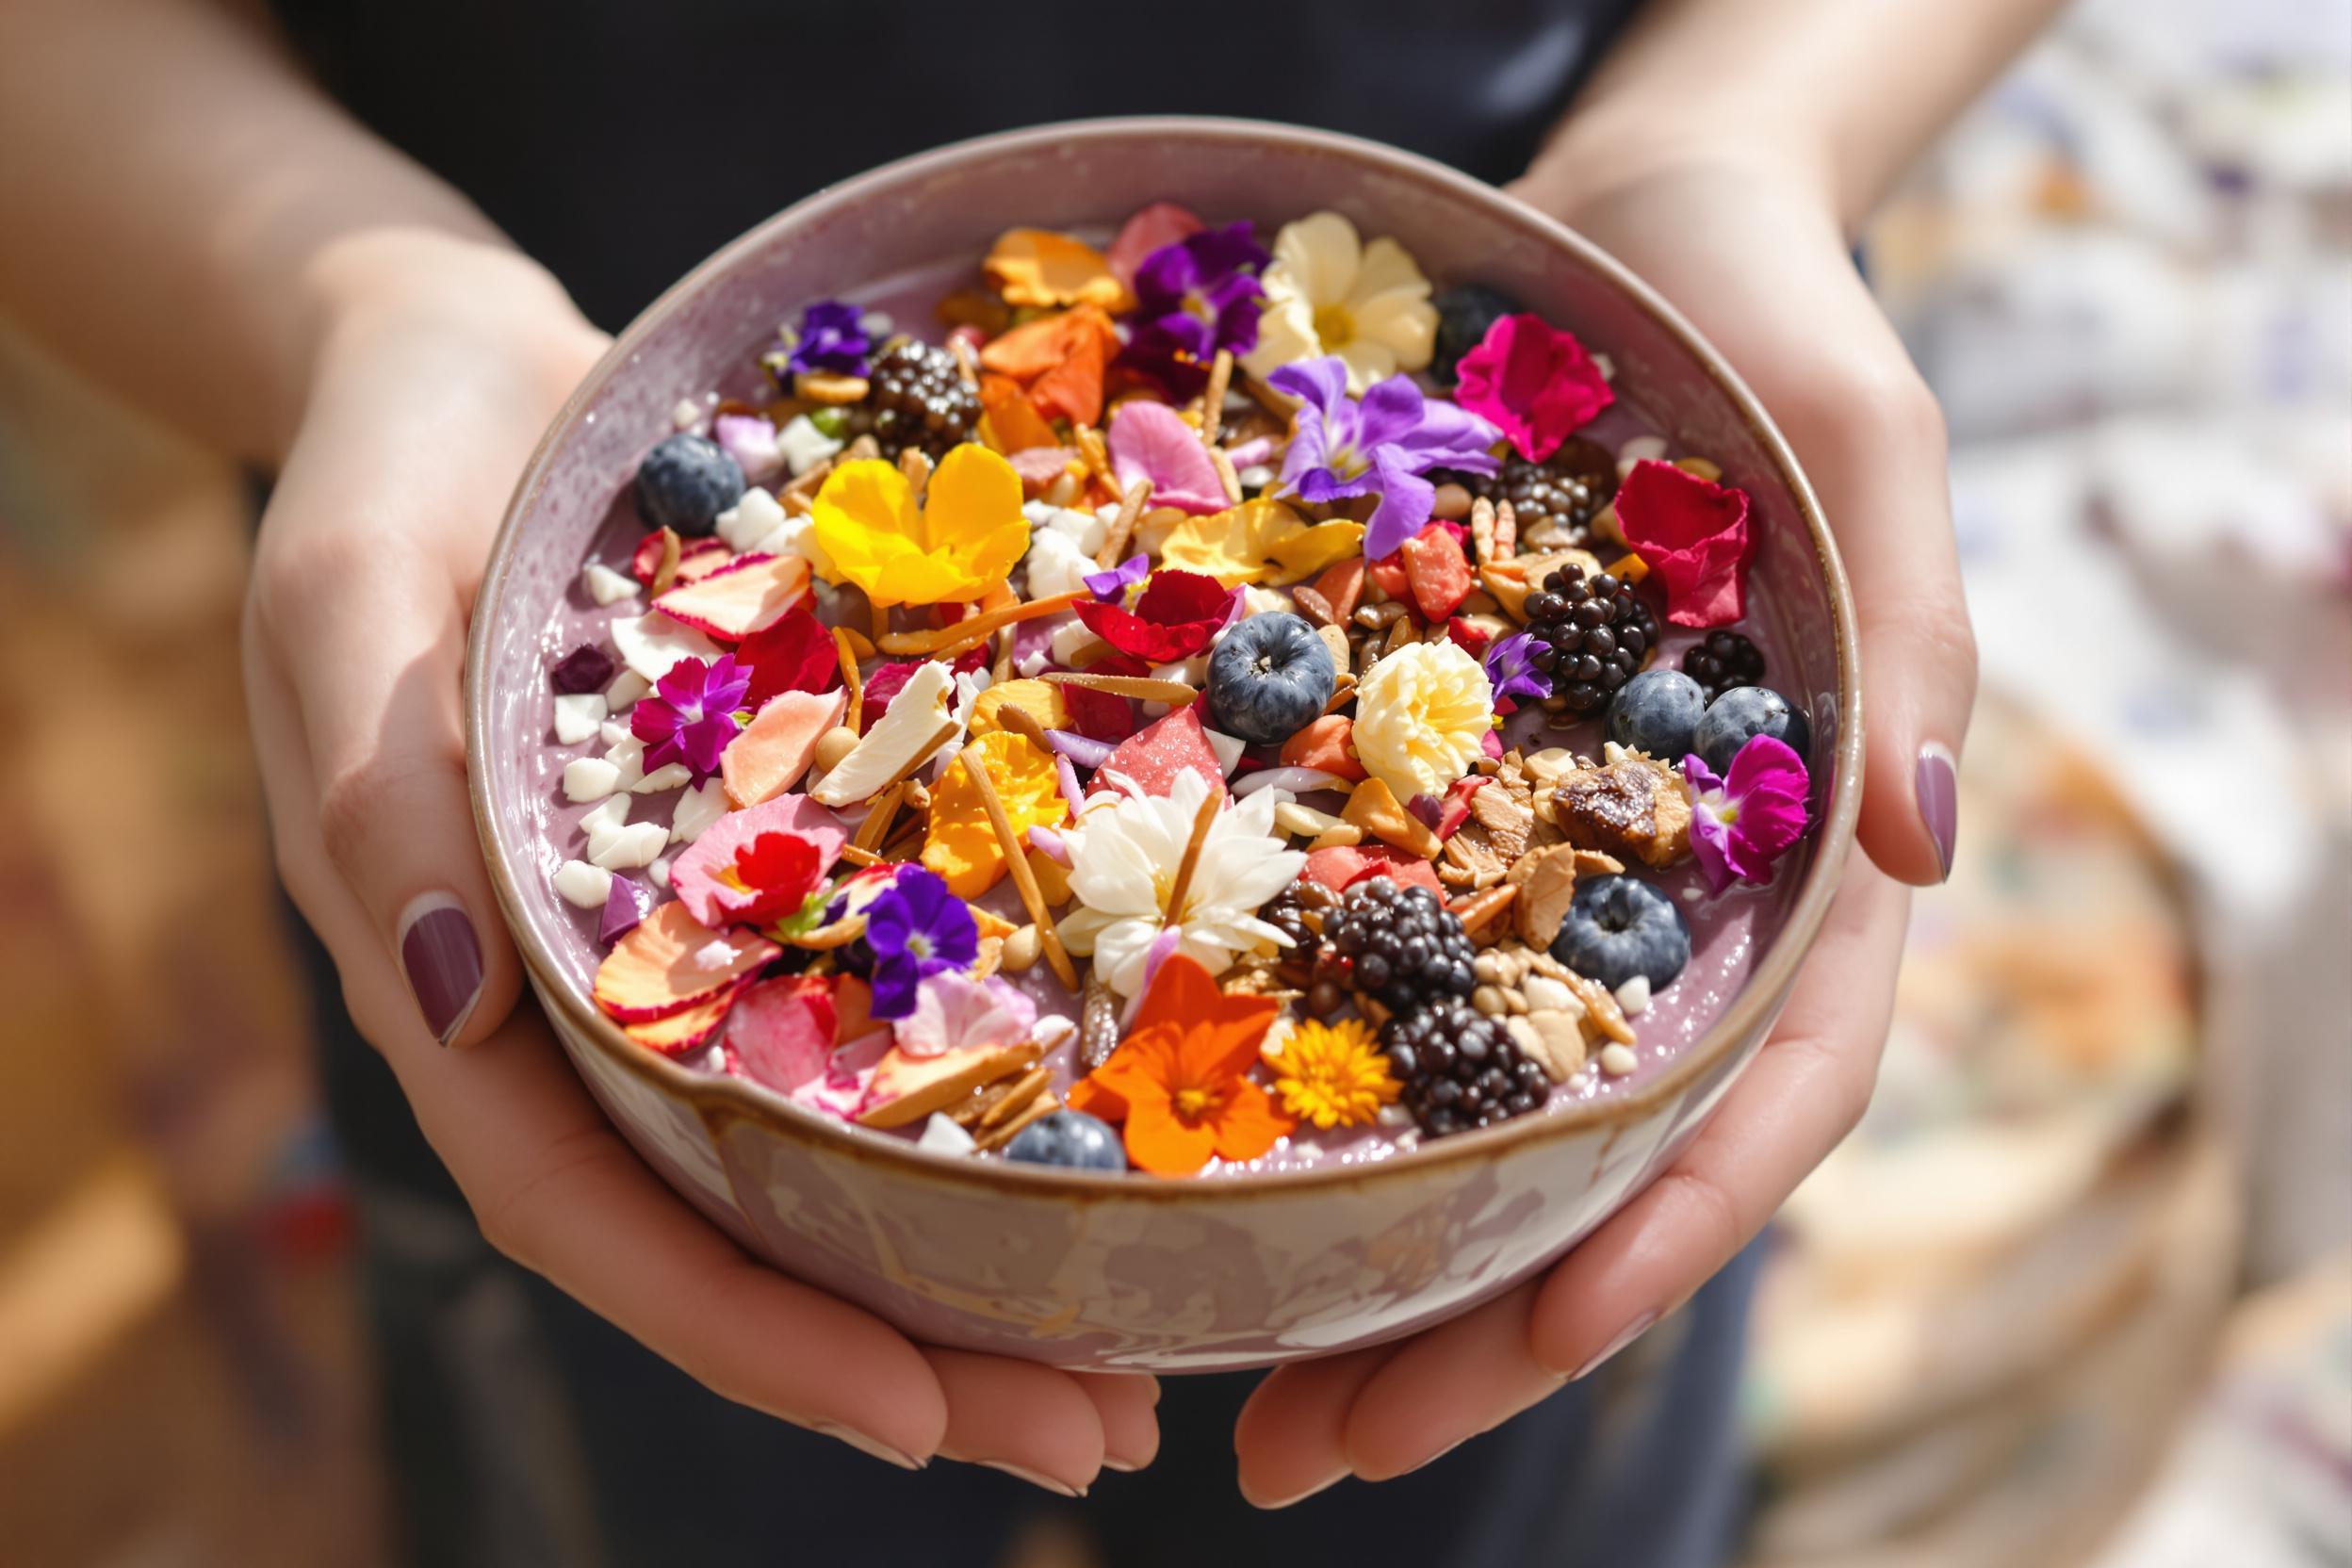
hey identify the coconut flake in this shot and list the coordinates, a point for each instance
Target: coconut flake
(650, 644)
(638, 843)
(578, 717)
(587, 778)
(627, 688)
(804, 445)
(749, 520)
(582, 885)
(943, 1136)
(697, 809)
(605, 585)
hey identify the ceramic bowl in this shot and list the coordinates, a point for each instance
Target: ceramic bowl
(1091, 1270)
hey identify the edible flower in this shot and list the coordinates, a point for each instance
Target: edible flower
(759, 866)
(1180, 1082)
(962, 541)
(1262, 540)
(952, 1011)
(831, 337)
(1533, 383)
(1060, 361)
(1510, 668)
(1178, 615)
(1383, 444)
(1740, 823)
(1150, 228)
(793, 653)
(1195, 297)
(1151, 441)
(1124, 857)
(916, 927)
(961, 843)
(1333, 1074)
(1694, 534)
(1039, 267)
(1111, 586)
(1327, 292)
(1423, 715)
(691, 714)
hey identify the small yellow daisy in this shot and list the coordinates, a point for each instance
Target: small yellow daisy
(1333, 1074)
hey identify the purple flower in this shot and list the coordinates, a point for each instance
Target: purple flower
(832, 337)
(915, 928)
(1195, 297)
(1740, 823)
(689, 716)
(1381, 446)
(1111, 586)
(1511, 668)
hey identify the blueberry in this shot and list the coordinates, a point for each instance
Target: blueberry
(1269, 679)
(1619, 926)
(685, 482)
(1464, 315)
(1071, 1138)
(1657, 711)
(1739, 716)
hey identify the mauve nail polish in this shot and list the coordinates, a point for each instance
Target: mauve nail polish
(443, 958)
(1939, 794)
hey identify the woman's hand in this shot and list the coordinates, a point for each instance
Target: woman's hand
(439, 363)
(1754, 255)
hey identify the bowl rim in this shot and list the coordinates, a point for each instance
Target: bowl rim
(719, 1099)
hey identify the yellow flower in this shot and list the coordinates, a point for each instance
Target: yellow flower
(1258, 541)
(1037, 267)
(1333, 1075)
(1423, 715)
(1329, 293)
(963, 540)
(960, 844)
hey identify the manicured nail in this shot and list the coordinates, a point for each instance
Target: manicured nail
(1939, 795)
(444, 962)
(1626, 1336)
(1269, 1504)
(1060, 1489)
(865, 1444)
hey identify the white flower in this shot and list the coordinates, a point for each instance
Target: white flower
(1423, 715)
(1124, 855)
(1329, 293)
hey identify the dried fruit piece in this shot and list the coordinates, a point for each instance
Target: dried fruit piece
(777, 747)
(1155, 755)
(748, 593)
(671, 962)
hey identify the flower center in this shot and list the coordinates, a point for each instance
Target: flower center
(1334, 327)
(1195, 1100)
(918, 945)
(1344, 461)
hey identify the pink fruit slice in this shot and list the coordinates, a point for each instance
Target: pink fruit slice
(782, 1031)
(777, 747)
(1153, 756)
(672, 962)
(687, 1030)
(739, 599)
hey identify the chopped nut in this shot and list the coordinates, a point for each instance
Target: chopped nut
(1314, 606)
(1379, 617)
(824, 387)
(1563, 1042)
(1634, 804)
(1618, 1060)
(1602, 1016)
(1488, 1000)
(1303, 821)
(1451, 502)
(1022, 948)
(1546, 880)
(1004, 1131)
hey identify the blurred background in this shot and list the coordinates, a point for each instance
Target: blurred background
(2079, 1291)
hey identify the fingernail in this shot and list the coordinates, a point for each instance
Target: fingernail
(1939, 797)
(1271, 1503)
(1112, 1462)
(444, 962)
(1060, 1489)
(1435, 1457)
(1626, 1336)
(865, 1444)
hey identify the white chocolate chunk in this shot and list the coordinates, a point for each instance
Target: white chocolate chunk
(1618, 1060)
(1052, 1029)
(640, 844)
(612, 733)
(697, 809)
(587, 778)
(686, 413)
(1633, 997)
(626, 688)
(751, 519)
(1642, 448)
(908, 731)
(943, 1136)
(583, 886)
(578, 717)
(659, 872)
(1056, 565)
(669, 775)
(798, 536)
(804, 445)
(653, 643)
(605, 585)
(1068, 639)
(629, 756)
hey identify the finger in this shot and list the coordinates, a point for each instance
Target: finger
(378, 688)
(556, 1190)
(1033, 1422)
(1128, 1406)
(1446, 1386)
(1792, 1105)
(1291, 1437)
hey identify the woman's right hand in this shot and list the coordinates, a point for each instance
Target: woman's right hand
(439, 364)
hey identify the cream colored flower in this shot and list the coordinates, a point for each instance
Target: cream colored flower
(1329, 293)
(1422, 718)
(1124, 855)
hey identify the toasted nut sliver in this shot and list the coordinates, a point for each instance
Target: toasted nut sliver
(864, 450)
(966, 363)
(1343, 692)
(1142, 688)
(1479, 909)
(1225, 475)
(1213, 401)
(1025, 880)
(998, 1136)
(1202, 820)
(1122, 529)
(947, 640)
(859, 857)
(1098, 456)
(916, 465)
(797, 503)
(1018, 1095)
(877, 828)
(1022, 722)
(665, 573)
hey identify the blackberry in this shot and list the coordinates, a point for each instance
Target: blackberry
(1723, 660)
(1399, 945)
(1635, 614)
(1461, 1068)
(1596, 633)
(916, 397)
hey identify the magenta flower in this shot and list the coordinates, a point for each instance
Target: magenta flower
(1534, 383)
(832, 337)
(1194, 297)
(1511, 668)
(690, 715)
(1381, 446)
(1739, 824)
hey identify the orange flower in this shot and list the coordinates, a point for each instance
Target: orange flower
(1012, 420)
(1037, 267)
(1061, 359)
(1181, 1082)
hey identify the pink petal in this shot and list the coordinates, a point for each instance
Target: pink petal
(1150, 441)
(1694, 534)
(1161, 223)
(1532, 382)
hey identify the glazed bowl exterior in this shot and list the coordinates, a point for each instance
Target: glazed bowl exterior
(1087, 1269)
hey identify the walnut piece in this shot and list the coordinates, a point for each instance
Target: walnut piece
(1633, 804)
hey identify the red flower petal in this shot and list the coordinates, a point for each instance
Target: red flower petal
(888, 678)
(1694, 535)
(793, 653)
(1177, 616)
(1533, 383)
